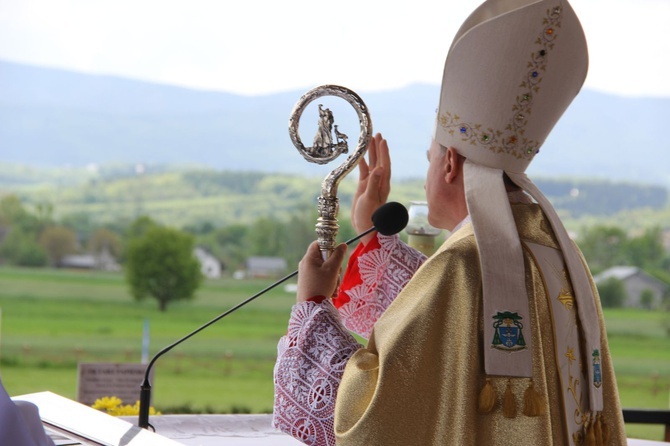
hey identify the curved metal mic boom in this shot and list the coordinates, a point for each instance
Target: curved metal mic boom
(389, 219)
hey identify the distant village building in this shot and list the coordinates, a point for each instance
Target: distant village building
(636, 282)
(102, 261)
(210, 266)
(265, 266)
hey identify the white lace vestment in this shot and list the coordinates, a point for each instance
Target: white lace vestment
(312, 356)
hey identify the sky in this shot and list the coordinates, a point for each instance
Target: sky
(255, 47)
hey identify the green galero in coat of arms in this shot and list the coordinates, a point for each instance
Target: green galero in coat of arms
(508, 332)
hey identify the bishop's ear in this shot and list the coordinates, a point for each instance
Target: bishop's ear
(453, 165)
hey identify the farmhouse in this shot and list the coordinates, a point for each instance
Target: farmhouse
(265, 266)
(636, 282)
(210, 266)
(103, 261)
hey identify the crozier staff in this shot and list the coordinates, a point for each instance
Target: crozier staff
(497, 338)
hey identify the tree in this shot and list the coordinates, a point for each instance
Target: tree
(105, 240)
(161, 264)
(80, 222)
(229, 244)
(21, 248)
(647, 299)
(612, 293)
(13, 212)
(58, 241)
(44, 212)
(267, 237)
(300, 232)
(603, 247)
(646, 251)
(140, 226)
(20, 245)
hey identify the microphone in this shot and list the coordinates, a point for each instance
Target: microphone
(389, 219)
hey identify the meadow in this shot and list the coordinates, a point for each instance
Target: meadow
(53, 319)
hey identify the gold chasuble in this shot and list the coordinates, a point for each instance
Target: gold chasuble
(419, 379)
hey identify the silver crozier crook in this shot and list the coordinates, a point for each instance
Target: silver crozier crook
(328, 144)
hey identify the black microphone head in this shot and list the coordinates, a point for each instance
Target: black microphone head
(390, 218)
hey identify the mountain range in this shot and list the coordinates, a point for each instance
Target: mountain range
(52, 118)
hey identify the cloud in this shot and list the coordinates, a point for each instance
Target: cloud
(265, 46)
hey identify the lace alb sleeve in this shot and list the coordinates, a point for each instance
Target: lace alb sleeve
(310, 363)
(374, 277)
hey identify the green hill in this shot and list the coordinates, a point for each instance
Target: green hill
(190, 196)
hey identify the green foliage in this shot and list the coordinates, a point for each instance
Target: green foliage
(161, 264)
(187, 196)
(213, 183)
(139, 227)
(21, 249)
(603, 247)
(12, 212)
(632, 220)
(666, 322)
(237, 214)
(22, 228)
(105, 240)
(266, 237)
(612, 293)
(44, 211)
(227, 244)
(646, 250)
(607, 246)
(647, 298)
(81, 223)
(57, 242)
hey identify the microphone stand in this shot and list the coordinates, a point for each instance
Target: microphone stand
(145, 388)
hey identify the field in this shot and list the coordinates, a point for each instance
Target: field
(51, 320)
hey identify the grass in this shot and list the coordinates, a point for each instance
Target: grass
(53, 319)
(640, 348)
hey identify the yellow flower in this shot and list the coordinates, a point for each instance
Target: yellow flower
(106, 404)
(114, 406)
(570, 354)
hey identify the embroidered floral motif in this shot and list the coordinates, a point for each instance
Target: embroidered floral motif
(574, 389)
(310, 363)
(511, 139)
(565, 296)
(384, 273)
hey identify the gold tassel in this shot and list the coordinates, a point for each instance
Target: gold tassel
(509, 404)
(605, 430)
(599, 431)
(532, 402)
(487, 397)
(589, 434)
